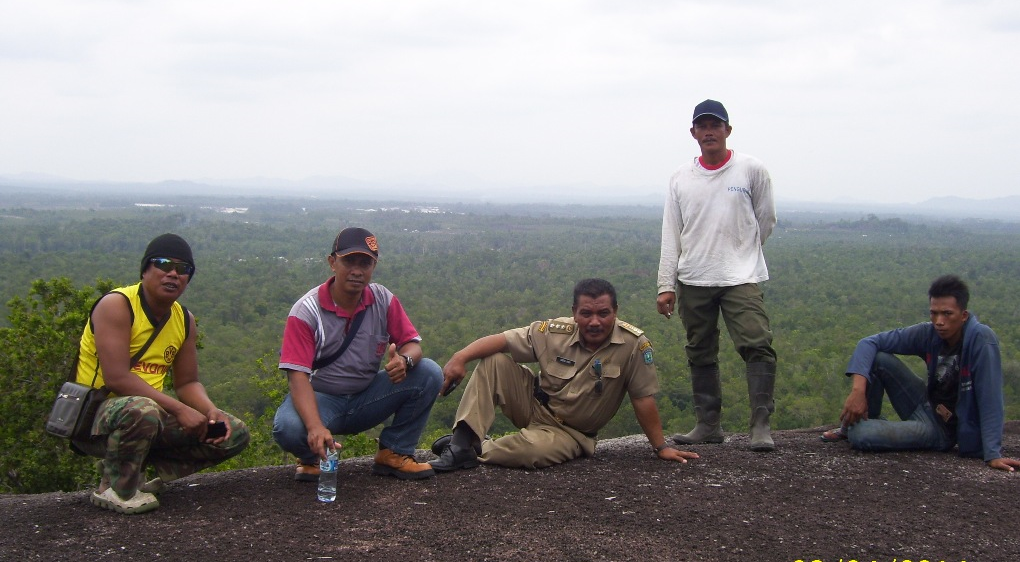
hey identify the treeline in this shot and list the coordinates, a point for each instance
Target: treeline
(468, 272)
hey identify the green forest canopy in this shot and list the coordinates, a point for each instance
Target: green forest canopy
(464, 272)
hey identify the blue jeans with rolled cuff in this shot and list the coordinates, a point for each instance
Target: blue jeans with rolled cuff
(409, 402)
(908, 394)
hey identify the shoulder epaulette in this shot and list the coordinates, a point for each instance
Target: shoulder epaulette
(631, 328)
(561, 327)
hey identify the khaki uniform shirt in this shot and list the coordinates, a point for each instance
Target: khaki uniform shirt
(568, 376)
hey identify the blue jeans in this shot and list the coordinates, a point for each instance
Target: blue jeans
(908, 394)
(409, 402)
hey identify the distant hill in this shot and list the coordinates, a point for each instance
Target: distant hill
(953, 209)
(949, 209)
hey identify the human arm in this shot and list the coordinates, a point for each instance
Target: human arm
(855, 408)
(302, 396)
(762, 200)
(111, 320)
(983, 360)
(456, 368)
(913, 340)
(669, 245)
(401, 333)
(190, 390)
(647, 414)
(396, 365)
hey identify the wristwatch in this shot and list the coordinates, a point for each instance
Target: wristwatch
(657, 450)
(408, 362)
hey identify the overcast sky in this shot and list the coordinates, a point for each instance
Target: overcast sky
(894, 101)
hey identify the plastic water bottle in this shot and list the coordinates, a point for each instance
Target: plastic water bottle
(327, 476)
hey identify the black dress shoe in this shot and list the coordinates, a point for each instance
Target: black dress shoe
(455, 458)
(439, 444)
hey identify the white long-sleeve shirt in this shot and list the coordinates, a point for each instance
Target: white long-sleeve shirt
(714, 224)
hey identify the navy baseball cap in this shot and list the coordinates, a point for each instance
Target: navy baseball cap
(713, 108)
(356, 241)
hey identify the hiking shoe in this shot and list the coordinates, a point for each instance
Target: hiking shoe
(306, 472)
(139, 503)
(455, 458)
(404, 467)
(154, 486)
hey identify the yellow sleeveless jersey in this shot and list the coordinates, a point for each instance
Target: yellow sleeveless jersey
(155, 363)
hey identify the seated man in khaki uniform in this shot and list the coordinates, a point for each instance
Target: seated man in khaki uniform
(586, 365)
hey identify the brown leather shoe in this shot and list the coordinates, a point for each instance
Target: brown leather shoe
(306, 472)
(404, 467)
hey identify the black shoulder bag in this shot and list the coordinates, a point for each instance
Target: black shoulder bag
(76, 405)
(355, 324)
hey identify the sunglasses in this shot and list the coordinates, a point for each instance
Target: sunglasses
(597, 367)
(168, 265)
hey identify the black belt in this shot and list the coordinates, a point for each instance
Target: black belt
(543, 399)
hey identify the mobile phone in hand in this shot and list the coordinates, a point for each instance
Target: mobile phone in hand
(451, 388)
(216, 430)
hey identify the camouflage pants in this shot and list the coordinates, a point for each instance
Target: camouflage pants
(132, 432)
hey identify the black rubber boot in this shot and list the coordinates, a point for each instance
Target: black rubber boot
(707, 405)
(761, 382)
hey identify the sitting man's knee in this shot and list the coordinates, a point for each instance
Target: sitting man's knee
(884, 361)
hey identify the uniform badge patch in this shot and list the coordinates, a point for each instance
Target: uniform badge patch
(648, 357)
(631, 328)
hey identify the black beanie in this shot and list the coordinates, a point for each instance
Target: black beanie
(167, 246)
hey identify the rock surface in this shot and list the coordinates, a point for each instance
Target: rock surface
(808, 501)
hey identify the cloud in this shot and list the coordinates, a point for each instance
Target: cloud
(875, 98)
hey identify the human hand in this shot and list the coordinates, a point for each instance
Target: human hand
(319, 440)
(672, 454)
(395, 367)
(453, 373)
(1003, 463)
(665, 302)
(216, 415)
(192, 421)
(855, 408)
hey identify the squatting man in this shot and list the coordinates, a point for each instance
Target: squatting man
(140, 426)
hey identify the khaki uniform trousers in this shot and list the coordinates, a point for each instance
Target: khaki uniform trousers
(542, 441)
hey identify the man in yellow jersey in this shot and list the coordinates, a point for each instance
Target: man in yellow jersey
(135, 335)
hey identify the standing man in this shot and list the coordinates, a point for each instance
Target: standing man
(959, 402)
(133, 337)
(335, 338)
(718, 213)
(586, 365)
